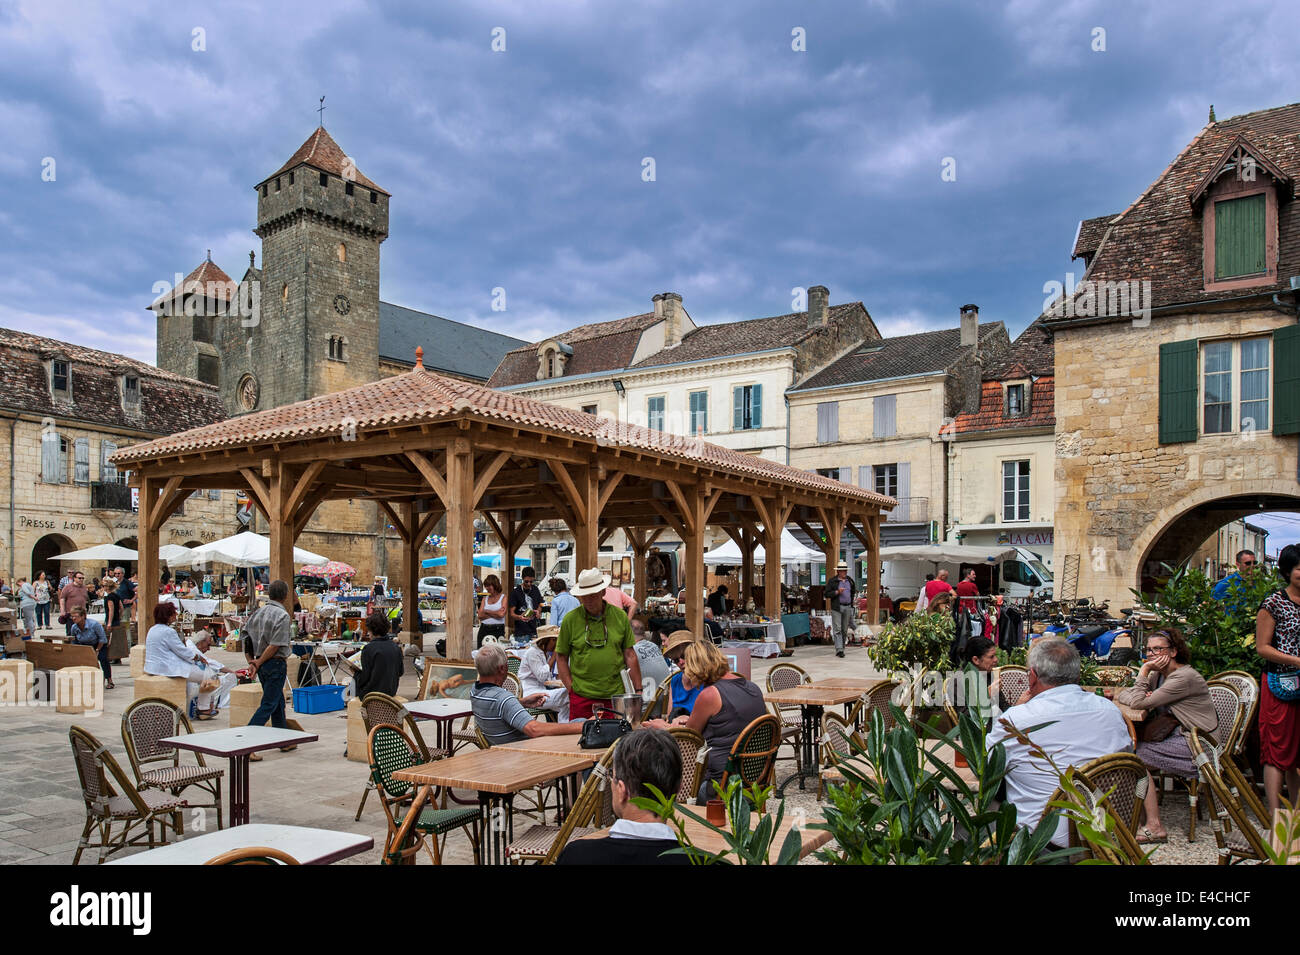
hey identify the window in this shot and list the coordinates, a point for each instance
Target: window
(1015, 490)
(214, 494)
(885, 477)
(209, 370)
(108, 473)
(883, 412)
(1245, 408)
(324, 180)
(61, 375)
(338, 348)
(343, 252)
(347, 188)
(654, 413)
(1016, 401)
(291, 178)
(1239, 237)
(63, 461)
(54, 458)
(699, 412)
(747, 408)
(828, 422)
(591, 409)
(131, 391)
(277, 183)
(374, 197)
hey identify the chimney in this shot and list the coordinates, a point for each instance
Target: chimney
(659, 305)
(970, 326)
(818, 296)
(671, 303)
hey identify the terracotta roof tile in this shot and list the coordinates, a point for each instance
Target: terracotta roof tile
(1032, 353)
(904, 355)
(601, 346)
(752, 335)
(420, 397)
(320, 151)
(208, 278)
(1090, 235)
(992, 416)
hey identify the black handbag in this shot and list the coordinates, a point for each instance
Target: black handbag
(603, 733)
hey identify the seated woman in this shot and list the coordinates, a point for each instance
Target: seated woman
(165, 653)
(1166, 684)
(683, 696)
(537, 673)
(727, 704)
(971, 689)
(492, 611)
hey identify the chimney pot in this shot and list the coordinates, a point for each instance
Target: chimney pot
(671, 304)
(658, 301)
(818, 311)
(970, 326)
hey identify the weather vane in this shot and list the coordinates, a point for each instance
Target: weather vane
(321, 110)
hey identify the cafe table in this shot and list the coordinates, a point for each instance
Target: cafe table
(702, 837)
(442, 712)
(556, 746)
(811, 700)
(844, 683)
(496, 774)
(237, 744)
(309, 846)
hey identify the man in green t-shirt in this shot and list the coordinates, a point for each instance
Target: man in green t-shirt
(595, 644)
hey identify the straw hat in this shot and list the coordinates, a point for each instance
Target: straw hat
(590, 581)
(841, 566)
(545, 633)
(677, 639)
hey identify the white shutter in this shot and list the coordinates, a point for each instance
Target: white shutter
(81, 458)
(50, 458)
(864, 477)
(828, 422)
(846, 475)
(883, 424)
(904, 490)
(107, 471)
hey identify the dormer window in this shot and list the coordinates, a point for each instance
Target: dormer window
(1017, 399)
(131, 390)
(61, 378)
(552, 356)
(1237, 201)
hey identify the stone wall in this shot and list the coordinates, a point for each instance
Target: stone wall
(1117, 487)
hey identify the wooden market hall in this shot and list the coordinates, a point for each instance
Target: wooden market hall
(422, 446)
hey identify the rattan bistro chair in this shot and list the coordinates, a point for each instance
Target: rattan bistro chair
(592, 810)
(876, 698)
(381, 709)
(837, 745)
(753, 755)
(1247, 688)
(693, 752)
(144, 723)
(1118, 782)
(253, 855)
(658, 707)
(787, 676)
(1012, 682)
(101, 779)
(1227, 707)
(391, 751)
(1237, 838)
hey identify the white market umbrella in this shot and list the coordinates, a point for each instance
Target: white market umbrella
(792, 552)
(947, 553)
(242, 550)
(169, 552)
(108, 552)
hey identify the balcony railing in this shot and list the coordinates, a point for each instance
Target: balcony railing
(910, 510)
(110, 496)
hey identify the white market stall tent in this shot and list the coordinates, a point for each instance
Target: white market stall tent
(241, 550)
(792, 552)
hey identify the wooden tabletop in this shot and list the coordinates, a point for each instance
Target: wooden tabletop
(308, 846)
(496, 770)
(238, 740)
(1137, 716)
(844, 683)
(555, 746)
(708, 840)
(809, 695)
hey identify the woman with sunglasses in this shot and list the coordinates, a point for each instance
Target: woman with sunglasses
(1167, 686)
(1277, 640)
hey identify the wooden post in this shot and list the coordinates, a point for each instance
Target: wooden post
(641, 540)
(748, 541)
(411, 573)
(694, 504)
(833, 527)
(146, 594)
(282, 526)
(872, 527)
(773, 514)
(460, 550)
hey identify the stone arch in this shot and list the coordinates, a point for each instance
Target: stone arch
(43, 552)
(1184, 519)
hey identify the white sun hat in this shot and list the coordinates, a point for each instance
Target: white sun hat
(590, 581)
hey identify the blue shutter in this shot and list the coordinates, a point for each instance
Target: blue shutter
(81, 459)
(107, 472)
(50, 458)
(738, 414)
(756, 406)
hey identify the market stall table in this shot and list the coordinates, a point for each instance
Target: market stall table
(238, 743)
(308, 846)
(442, 712)
(811, 701)
(496, 774)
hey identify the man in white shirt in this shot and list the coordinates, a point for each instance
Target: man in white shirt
(209, 701)
(1083, 727)
(536, 670)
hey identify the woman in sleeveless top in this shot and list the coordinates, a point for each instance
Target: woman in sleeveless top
(1277, 640)
(727, 704)
(492, 611)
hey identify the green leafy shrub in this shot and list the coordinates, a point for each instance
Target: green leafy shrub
(922, 641)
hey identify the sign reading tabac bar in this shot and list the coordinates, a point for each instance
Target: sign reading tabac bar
(1025, 538)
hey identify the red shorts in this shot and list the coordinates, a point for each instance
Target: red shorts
(581, 708)
(1279, 730)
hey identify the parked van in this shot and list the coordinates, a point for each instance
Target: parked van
(564, 567)
(1015, 576)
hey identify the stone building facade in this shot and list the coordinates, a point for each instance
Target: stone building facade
(1181, 415)
(64, 411)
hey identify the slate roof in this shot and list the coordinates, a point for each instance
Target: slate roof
(601, 346)
(904, 355)
(421, 396)
(1090, 235)
(320, 151)
(753, 335)
(448, 346)
(1159, 237)
(168, 402)
(1030, 356)
(208, 278)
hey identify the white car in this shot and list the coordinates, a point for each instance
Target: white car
(433, 587)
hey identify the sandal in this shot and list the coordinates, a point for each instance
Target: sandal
(110, 685)
(1147, 838)
(254, 757)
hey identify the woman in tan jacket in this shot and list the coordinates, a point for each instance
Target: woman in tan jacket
(1168, 684)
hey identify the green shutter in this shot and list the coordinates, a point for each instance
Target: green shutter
(756, 406)
(1178, 391)
(1286, 380)
(738, 409)
(1239, 237)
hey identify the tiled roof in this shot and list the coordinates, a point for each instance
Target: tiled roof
(904, 355)
(754, 335)
(1159, 237)
(421, 396)
(1090, 235)
(208, 279)
(1032, 353)
(168, 402)
(991, 415)
(320, 151)
(602, 346)
(448, 346)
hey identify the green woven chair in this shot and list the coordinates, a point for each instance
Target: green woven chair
(753, 755)
(390, 752)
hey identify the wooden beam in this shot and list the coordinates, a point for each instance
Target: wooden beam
(403, 529)
(577, 500)
(257, 489)
(608, 487)
(857, 532)
(434, 479)
(303, 484)
(484, 477)
(670, 518)
(873, 570)
(147, 547)
(307, 509)
(410, 575)
(158, 510)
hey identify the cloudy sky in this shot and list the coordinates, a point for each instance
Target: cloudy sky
(524, 169)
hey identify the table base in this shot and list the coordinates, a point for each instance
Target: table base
(812, 721)
(239, 766)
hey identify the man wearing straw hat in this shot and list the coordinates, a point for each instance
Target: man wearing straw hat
(595, 644)
(535, 674)
(842, 590)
